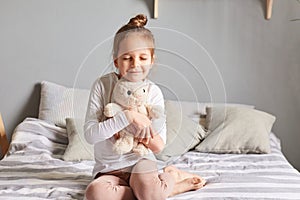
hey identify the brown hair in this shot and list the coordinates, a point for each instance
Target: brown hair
(135, 25)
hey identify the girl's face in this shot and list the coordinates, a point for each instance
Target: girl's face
(134, 58)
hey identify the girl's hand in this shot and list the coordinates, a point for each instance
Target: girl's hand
(145, 134)
(142, 125)
(154, 142)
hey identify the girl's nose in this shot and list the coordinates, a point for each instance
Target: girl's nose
(135, 63)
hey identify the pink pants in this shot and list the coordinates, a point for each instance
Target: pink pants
(144, 183)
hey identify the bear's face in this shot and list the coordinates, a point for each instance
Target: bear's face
(130, 94)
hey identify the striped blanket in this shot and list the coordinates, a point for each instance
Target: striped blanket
(33, 169)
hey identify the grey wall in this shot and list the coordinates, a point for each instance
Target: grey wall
(207, 50)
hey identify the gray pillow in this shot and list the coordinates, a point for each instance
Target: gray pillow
(237, 130)
(58, 103)
(77, 149)
(183, 133)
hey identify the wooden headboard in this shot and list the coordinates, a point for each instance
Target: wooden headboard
(3, 139)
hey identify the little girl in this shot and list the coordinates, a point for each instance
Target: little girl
(130, 176)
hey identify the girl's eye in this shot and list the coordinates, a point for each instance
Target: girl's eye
(144, 90)
(144, 58)
(129, 92)
(126, 58)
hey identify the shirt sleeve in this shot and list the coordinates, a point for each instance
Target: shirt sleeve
(156, 98)
(96, 130)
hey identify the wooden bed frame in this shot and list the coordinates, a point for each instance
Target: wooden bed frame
(3, 139)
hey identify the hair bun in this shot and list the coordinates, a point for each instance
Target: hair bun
(138, 21)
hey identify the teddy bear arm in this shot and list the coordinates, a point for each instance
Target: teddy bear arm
(143, 110)
(112, 109)
(155, 111)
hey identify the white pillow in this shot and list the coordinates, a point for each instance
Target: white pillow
(190, 109)
(58, 103)
(197, 111)
(78, 148)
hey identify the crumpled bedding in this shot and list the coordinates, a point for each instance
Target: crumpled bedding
(33, 169)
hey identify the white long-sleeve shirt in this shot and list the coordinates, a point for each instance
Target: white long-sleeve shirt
(99, 131)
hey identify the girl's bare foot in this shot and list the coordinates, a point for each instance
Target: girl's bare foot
(180, 175)
(186, 185)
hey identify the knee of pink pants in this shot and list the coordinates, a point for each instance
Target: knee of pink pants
(109, 187)
(148, 184)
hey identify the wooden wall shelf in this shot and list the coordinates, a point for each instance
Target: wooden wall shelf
(155, 14)
(269, 6)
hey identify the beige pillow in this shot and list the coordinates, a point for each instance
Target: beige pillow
(77, 149)
(183, 133)
(237, 130)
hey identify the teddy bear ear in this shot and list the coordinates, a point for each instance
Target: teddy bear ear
(118, 89)
(121, 88)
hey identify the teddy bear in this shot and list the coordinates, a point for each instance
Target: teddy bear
(131, 96)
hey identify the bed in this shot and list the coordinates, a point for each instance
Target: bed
(43, 163)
